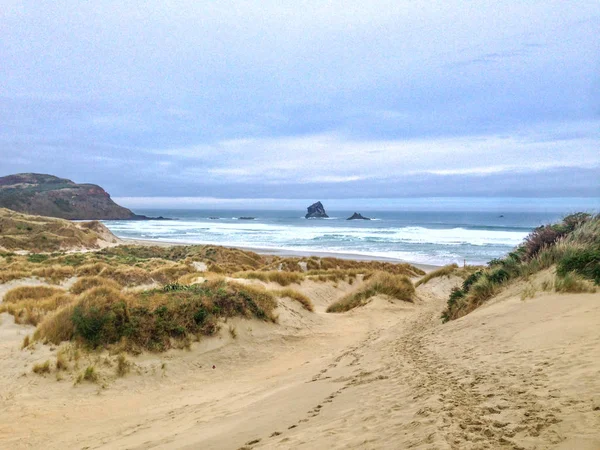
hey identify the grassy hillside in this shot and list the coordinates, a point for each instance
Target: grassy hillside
(572, 246)
(51, 196)
(153, 298)
(44, 234)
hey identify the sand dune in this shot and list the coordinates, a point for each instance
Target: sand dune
(513, 374)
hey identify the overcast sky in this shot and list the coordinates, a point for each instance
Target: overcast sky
(304, 99)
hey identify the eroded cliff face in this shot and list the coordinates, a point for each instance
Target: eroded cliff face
(316, 210)
(47, 195)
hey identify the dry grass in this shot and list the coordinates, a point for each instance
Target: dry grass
(281, 278)
(297, 296)
(55, 273)
(445, 271)
(56, 327)
(29, 304)
(154, 320)
(131, 276)
(572, 245)
(123, 366)
(41, 368)
(9, 275)
(573, 283)
(395, 286)
(46, 234)
(22, 293)
(86, 283)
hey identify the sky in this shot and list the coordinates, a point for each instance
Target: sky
(197, 103)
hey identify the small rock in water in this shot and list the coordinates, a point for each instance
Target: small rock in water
(357, 216)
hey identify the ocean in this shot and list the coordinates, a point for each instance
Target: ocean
(420, 237)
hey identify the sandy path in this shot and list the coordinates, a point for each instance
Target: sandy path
(514, 374)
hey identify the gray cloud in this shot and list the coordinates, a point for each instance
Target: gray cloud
(334, 99)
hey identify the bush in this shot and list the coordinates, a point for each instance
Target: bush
(155, 319)
(573, 244)
(585, 262)
(572, 283)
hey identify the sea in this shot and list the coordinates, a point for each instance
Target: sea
(435, 238)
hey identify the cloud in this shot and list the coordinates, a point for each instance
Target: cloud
(229, 99)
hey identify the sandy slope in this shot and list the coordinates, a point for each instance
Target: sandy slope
(514, 374)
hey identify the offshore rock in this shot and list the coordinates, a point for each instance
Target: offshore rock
(357, 216)
(316, 211)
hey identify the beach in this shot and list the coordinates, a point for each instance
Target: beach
(387, 376)
(153, 345)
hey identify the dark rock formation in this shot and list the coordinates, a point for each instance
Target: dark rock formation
(316, 210)
(357, 216)
(47, 195)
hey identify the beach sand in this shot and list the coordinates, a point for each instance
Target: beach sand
(512, 374)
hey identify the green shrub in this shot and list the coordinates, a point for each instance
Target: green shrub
(585, 262)
(572, 283)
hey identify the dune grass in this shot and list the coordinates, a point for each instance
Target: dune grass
(86, 283)
(395, 286)
(572, 245)
(295, 295)
(156, 319)
(46, 234)
(30, 304)
(445, 271)
(574, 283)
(22, 293)
(281, 278)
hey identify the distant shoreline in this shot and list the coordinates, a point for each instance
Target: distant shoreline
(284, 252)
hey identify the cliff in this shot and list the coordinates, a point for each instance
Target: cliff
(47, 195)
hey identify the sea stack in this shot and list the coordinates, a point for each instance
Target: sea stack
(316, 211)
(358, 216)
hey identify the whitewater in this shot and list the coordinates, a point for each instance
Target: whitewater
(420, 237)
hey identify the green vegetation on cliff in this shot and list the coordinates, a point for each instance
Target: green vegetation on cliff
(47, 195)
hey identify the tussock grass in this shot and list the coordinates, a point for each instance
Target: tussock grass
(61, 362)
(22, 293)
(131, 276)
(574, 283)
(54, 274)
(29, 304)
(93, 269)
(157, 319)
(56, 327)
(295, 295)
(172, 273)
(281, 278)
(445, 271)
(86, 283)
(46, 234)
(41, 368)
(89, 374)
(395, 286)
(573, 245)
(123, 366)
(10, 275)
